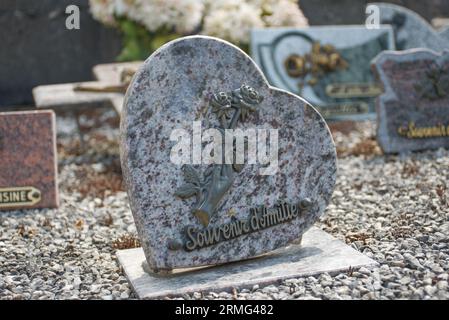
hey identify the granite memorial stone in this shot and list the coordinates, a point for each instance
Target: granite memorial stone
(410, 29)
(328, 66)
(28, 165)
(413, 112)
(197, 212)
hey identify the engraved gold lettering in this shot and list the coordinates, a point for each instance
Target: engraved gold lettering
(411, 131)
(213, 236)
(225, 231)
(259, 219)
(279, 215)
(353, 90)
(246, 226)
(19, 197)
(236, 229)
(191, 244)
(200, 239)
(254, 220)
(294, 211)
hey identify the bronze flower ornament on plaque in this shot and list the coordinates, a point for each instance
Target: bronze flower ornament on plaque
(322, 59)
(217, 179)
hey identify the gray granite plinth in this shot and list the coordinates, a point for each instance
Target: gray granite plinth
(318, 253)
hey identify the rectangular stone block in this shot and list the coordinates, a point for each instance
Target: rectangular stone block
(318, 253)
(28, 160)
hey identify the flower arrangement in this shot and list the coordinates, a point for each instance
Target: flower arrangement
(148, 24)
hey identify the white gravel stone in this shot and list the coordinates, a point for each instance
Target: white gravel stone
(387, 207)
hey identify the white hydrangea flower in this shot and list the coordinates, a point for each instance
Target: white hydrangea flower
(227, 19)
(126, 8)
(232, 20)
(151, 14)
(213, 5)
(285, 13)
(103, 11)
(188, 15)
(182, 15)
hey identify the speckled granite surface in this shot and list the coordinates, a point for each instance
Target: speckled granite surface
(28, 155)
(171, 90)
(416, 99)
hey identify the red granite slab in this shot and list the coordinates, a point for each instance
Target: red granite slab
(28, 160)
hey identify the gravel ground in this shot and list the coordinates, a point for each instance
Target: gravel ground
(394, 209)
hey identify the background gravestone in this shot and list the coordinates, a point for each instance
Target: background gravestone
(413, 112)
(329, 66)
(36, 47)
(410, 29)
(38, 50)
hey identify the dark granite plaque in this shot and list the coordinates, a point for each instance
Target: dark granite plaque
(413, 113)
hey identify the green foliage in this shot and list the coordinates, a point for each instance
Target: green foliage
(138, 42)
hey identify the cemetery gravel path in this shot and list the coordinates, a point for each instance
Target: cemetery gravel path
(394, 209)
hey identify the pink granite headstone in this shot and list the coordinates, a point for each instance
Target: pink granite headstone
(191, 215)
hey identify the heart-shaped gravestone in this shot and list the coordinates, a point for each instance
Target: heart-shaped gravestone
(190, 213)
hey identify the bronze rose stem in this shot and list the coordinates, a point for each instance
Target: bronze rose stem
(218, 178)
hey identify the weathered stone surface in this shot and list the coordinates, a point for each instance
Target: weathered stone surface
(356, 45)
(174, 88)
(413, 112)
(318, 253)
(66, 97)
(410, 29)
(28, 160)
(113, 72)
(106, 92)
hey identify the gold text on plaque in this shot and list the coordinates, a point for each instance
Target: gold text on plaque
(343, 109)
(19, 197)
(353, 90)
(259, 219)
(411, 131)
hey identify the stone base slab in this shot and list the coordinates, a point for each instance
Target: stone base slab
(318, 253)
